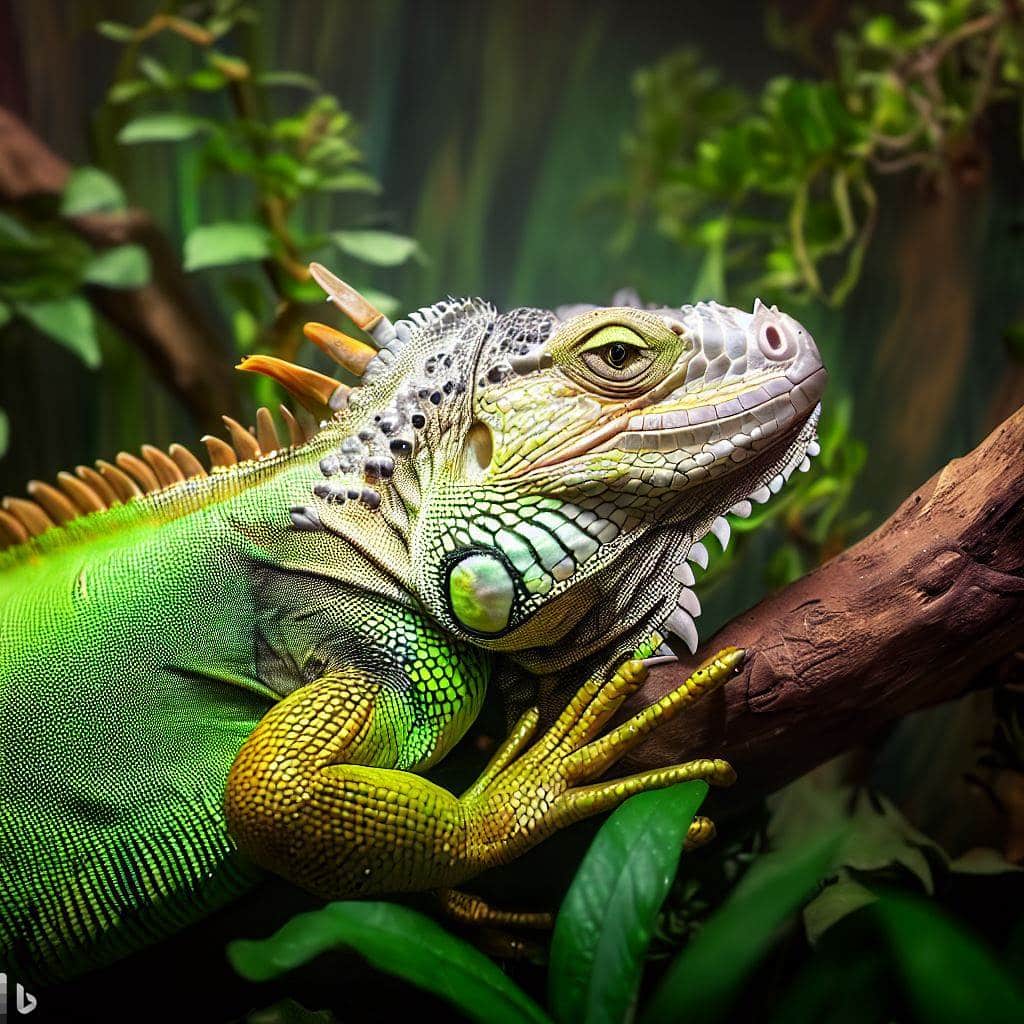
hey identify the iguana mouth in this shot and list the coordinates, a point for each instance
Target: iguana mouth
(801, 445)
(724, 426)
(673, 429)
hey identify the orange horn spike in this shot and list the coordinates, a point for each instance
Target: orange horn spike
(163, 466)
(55, 504)
(13, 529)
(29, 514)
(295, 433)
(316, 391)
(187, 462)
(266, 432)
(98, 484)
(241, 440)
(81, 494)
(362, 313)
(221, 453)
(353, 355)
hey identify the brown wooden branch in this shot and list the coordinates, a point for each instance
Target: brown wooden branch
(926, 608)
(163, 317)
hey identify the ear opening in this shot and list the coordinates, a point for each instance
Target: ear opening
(478, 450)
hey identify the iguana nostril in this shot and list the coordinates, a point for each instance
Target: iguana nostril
(776, 344)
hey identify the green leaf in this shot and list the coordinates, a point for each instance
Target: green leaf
(381, 248)
(5, 432)
(350, 181)
(124, 92)
(833, 903)
(288, 78)
(703, 980)
(117, 31)
(124, 266)
(224, 243)
(69, 321)
(606, 920)
(90, 190)
(165, 127)
(949, 975)
(881, 837)
(399, 941)
(15, 235)
(983, 860)
(206, 80)
(879, 31)
(156, 73)
(387, 304)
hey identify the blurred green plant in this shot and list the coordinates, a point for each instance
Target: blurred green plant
(600, 972)
(778, 190)
(45, 266)
(202, 93)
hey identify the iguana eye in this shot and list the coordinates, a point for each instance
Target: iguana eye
(615, 354)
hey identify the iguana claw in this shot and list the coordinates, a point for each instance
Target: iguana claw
(525, 795)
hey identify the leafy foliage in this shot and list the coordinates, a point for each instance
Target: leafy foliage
(610, 912)
(779, 189)
(282, 163)
(606, 922)
(401, 941)
(45, 265)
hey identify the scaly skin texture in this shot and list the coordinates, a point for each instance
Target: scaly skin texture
(252, 668)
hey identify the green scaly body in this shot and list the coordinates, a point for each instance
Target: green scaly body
(143, 646)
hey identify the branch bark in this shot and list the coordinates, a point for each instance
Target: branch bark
(163, 317)
(926, 608)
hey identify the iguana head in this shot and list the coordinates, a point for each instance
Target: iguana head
(552, 471)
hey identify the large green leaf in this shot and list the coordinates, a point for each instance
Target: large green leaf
(381, 248)
(605, 923)
(164, 127)
(949, 975)
(124, 266)
(90, 190)
(400, 941)
(703, 980)
(225, 243)
(67, 320)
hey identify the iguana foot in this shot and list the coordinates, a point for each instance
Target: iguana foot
(470, 909)
(700, 833)
(525, 795)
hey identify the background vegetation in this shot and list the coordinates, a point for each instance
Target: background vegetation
(862, 168)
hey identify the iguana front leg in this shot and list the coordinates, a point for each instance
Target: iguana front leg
(303, 801)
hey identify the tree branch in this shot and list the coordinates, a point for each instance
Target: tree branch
(928, 607)
(163, 317)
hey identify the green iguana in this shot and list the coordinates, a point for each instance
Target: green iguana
(208, 672)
